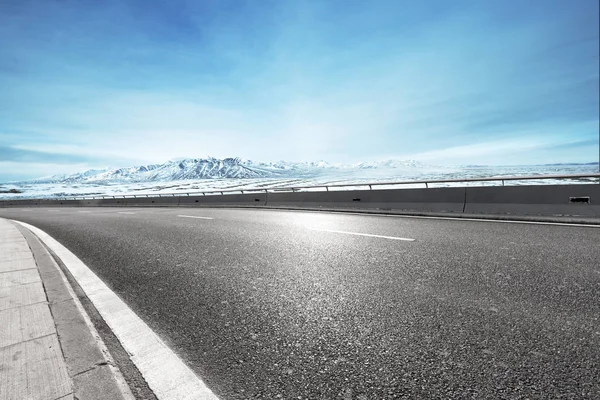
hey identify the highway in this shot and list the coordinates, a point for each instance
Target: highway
(268, 304)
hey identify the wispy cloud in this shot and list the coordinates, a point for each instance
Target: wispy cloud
(9, 153)
(526, 149)
(57, 155)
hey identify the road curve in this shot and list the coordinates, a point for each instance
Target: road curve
(266, 304)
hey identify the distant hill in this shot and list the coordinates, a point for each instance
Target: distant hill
(212, 168)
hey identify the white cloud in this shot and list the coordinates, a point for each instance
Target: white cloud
(528, 150)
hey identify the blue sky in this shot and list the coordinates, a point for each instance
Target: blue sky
(87, 84)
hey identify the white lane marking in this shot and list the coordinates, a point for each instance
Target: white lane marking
(84, 211)
(506, 221)
(364, 234)
(53, 210)
(168, 377)
(126, 212)
(194, 216)
(496, 220)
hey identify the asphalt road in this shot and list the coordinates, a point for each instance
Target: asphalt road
(267, 304)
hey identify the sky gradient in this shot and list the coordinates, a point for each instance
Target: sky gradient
(87, 84)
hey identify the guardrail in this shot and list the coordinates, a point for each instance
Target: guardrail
(589, 177)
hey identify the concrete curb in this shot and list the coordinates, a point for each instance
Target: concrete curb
(164, 374)
(89, 364)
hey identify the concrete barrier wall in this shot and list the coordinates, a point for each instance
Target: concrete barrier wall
(534, 200)
(437, 200)
(519, 200)
(246, 200)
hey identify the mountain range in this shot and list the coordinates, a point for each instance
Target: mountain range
(212, 168)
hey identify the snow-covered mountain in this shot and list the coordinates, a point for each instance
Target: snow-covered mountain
(211, 168)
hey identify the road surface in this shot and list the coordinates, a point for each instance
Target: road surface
(267, 304)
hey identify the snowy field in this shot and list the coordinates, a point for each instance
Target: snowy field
(53, 190)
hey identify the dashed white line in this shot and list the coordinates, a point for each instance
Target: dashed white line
(194, 216)
(364, 234)
(84, 211)
(166, 374)
(126, 212)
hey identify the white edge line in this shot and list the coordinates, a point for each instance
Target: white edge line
(363, 234)
(166, 374)
(505, 221)
(126, 212)
(193, 216)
